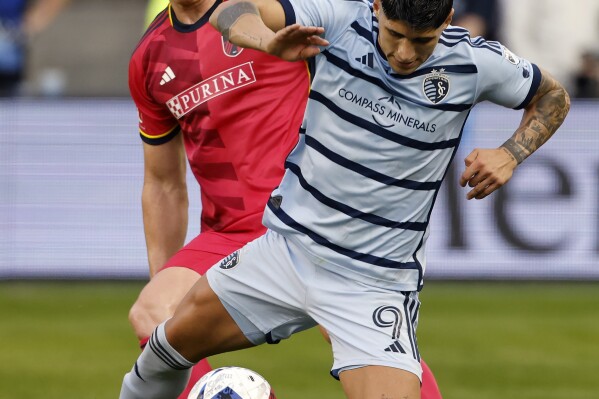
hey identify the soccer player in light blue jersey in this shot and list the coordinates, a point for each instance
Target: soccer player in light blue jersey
(392, 86)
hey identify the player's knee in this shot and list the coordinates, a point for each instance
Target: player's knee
(144, 316)
(137, 319)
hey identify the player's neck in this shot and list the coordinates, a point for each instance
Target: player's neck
(190, 11)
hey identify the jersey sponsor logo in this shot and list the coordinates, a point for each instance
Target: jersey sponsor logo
(230, 261)
(436, 86)
(386, 111)
(167, 76)
(230, 49)
(224, 82)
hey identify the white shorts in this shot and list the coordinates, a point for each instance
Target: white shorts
(272, 290)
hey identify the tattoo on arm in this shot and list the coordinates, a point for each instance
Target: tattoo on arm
(230, 15)
(514, 150)
(541, 119)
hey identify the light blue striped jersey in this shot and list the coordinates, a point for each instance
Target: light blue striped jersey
(360, 185)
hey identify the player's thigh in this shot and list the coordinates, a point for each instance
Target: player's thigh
(376, 382)
(202, 327)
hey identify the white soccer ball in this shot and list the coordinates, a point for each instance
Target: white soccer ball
(232, 383)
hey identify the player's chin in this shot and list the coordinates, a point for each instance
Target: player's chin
(404, 68)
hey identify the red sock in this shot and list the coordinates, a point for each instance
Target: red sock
(429, 389)
(143, 342)
(197, 372)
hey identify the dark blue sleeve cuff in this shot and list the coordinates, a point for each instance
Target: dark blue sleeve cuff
(289, 12)
(536, 82)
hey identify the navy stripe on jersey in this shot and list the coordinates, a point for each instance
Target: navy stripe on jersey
(479, 40)
(450, 40)
(459, 33)
(360, 30)
(345, 66)
(352, 212)
(371, 259)
(456, 29)
(468, 68)
(369, 173)
(290, 17)
(536, 82)
(378, 130)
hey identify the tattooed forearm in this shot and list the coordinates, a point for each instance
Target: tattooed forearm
(514, 150)
(230, 15)
(541, 119)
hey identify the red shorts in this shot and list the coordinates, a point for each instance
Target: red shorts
(204, 251)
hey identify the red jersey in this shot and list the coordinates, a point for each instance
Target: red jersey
(239, 111)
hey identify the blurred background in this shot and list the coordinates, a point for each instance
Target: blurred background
(511, 307)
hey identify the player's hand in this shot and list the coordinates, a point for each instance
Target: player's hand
(297, 42)
(486, 171)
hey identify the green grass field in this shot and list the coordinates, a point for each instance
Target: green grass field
(71, 340)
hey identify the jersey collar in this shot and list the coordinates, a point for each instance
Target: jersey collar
(185, 28)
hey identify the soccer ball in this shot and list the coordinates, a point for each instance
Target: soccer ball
(232, 383)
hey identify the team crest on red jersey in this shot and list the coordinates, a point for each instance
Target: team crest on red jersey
(230, 49)
(214, 86)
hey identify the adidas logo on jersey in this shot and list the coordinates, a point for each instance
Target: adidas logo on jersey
(167, 76)
(366, 59)
(395, 347)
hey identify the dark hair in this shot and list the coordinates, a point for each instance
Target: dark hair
(419, 14)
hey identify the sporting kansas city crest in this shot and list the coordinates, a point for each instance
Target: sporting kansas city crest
(436, 86)
(231, 49)
(230, 261)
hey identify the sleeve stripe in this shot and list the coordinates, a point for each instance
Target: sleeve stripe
(160, 139)
(536, 82)
(290, 18)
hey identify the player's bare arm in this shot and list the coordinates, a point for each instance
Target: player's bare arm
(543, 116)
(164, 201)
(260, 25)
(489, 169)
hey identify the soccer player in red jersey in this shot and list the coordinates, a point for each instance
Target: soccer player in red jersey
(234, 115)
